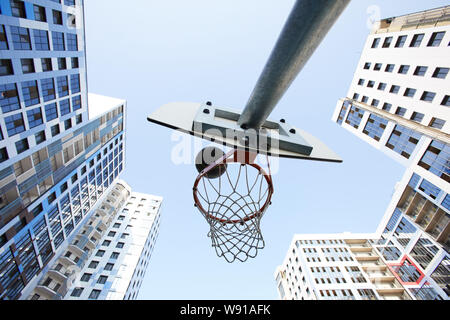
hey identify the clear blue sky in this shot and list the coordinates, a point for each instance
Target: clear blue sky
(153, 52)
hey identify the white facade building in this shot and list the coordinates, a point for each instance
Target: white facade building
(108, 257)
(399, 103)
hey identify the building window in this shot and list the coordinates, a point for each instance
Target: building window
(75, 83)
(3, 38)
(375, 127)
(85, 277)
(120, 245)
(9, 97)
(55, 130)
(387, 106)
(446, 101)
(46, 64)
(370, 84)
(440, 73)
(109, 266)
(377, 66)
(62, 65)
(76, 292)
(41, 40)
(389, 67)
(375, 42)
(437, 123)
(30, 93)
(364, 99)
(375, 102)
(79, 119)
(48, 89)
(27, 65)
(94, 294)
(427, 96)
(400, 41)
(93, 264)
(75, 63)
(64, 107)
(18, 9)
(14, 124)
(72, 42)
(420, 71)
(436, 39)
(394, 89)
(102, 279)
(361, 82)
(67, 124)
(39, 13)
(367, 65)
(40, 137)
(387, 42)
(400, 111)
(57, 17)
(58, 41)
(114, 255)
(6, 68)
(436, 159)
(416, 40)
(381, 86)
(22, 145)
(20, 38)
(51, 111)
(409, 92)
(403, 69)
(417, 117)
(403, 141)
(106, 243)
(34, 117)
(63, 86)
(354, 117)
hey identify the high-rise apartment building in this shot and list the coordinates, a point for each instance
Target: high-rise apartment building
(61, 149)
(108, 255)
(399, 103)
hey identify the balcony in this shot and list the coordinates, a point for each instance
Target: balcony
(67, 261)
(56, 275)
(76, 249)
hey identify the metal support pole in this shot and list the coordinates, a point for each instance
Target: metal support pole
(307, 24)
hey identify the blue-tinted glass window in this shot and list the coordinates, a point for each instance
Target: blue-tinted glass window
(436, 39)
(420, 71)
(428, 96)
(414, 180)
(409, 92)
(72, 42)
(377, 66)
(64, 107)
(354, 117)
(446, 202)
(34, 117)
(20, 38)
(437, 159)
(440, 73)
(375, 127)
(404, 232)
(429, 189)
(51, 111)
(48, 89)
(375, 42)
(39, 13)
(403, 69)
(75, 83)
(416, 40)
(18, 8)
(41, 40)
(390, 252)
(400, 111)
(69, 3)
(417, 117)
(9, 97)
(30, 93)
(394, 89)
(387, 42)
(14, 124)
(367, 65)
(381, 86)
(58, 41)
(3, 38)
(389, 67)
(22, 145)
(76, 103)
(63, 86)
(407, 272)
(437, 123)
(387, 106)
(400, 41)
(446, 101)
(403, 141)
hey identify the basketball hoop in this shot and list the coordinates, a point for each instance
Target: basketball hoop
(232, 193)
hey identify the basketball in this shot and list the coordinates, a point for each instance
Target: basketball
(207, 156)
